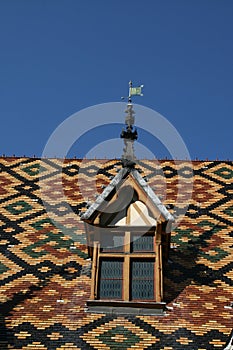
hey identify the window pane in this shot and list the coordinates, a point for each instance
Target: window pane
(112, 242)
(142, 243)
(111, 273)
(142, 274)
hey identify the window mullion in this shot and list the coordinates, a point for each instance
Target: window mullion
(126, 277)
(94, 271)
(158, 263)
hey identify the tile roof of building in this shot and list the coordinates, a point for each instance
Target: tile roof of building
(44, 266)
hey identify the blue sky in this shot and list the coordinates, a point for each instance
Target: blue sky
(58, 57)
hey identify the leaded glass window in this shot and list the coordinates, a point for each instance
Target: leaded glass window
(142, 279)
(125, 266)
(142, 243)
(111, 276)
(112, 242)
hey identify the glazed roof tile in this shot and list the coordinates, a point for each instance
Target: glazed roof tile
(44, 266)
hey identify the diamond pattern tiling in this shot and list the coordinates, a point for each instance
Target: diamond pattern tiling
(119, 333)
(42, 255)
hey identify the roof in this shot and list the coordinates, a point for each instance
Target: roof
(44, 266)
(115, 184)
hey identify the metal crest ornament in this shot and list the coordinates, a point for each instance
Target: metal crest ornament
(129, 133)
(133, 91)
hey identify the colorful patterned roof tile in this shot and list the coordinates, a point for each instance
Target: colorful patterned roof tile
(44, 265)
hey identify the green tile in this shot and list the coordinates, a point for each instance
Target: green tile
(33, 169)
(3, 268)
(220, 254)
(180, 234)
(225, 173)
(205, 223)
(108, 338)
(229, 211)
(18, 207)
(41, 224)
(58, 238)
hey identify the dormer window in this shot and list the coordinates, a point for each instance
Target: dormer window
(128, 244)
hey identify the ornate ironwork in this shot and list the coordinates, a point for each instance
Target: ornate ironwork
(129, 134)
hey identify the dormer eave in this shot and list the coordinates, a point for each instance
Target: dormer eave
(155, 205)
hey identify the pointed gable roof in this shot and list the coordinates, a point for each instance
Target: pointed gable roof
(140, 185)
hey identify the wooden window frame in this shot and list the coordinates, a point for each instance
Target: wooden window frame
(127, 255)
(111, 278)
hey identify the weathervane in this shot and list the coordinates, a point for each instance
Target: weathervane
(129, 134)
(133, 91)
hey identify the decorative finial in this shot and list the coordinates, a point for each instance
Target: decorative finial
(133, 91)
(129, 134)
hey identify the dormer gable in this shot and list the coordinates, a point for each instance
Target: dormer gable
(128, 200)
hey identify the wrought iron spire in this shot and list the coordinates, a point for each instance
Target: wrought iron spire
(129, 133)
